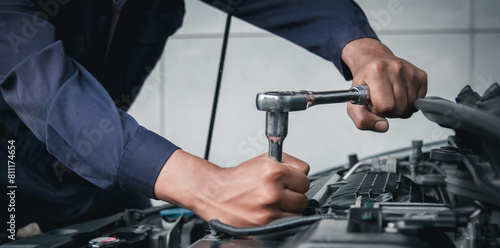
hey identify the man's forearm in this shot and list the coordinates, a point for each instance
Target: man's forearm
(184, 178)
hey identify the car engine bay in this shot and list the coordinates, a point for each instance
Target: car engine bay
(434, 194)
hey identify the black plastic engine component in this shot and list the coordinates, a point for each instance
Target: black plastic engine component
(475, 120)
(376, 187)
(365, 220)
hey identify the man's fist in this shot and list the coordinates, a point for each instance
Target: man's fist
(252, 194)
(394, 84)
(259, 191)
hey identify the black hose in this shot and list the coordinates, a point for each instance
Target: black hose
(253, 231)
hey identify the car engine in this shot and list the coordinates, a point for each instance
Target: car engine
(436, 194)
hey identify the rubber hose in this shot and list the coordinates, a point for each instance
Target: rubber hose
(253, 231)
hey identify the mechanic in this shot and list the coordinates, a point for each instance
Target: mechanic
(67, 65)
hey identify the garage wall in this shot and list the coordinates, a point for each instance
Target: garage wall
(455, 41)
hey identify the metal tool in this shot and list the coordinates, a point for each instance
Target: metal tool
(277, 104)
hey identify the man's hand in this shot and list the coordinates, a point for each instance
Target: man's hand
(394, 83)
(252, 194)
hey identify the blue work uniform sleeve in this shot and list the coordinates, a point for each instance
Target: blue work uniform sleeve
(68, 109)
(323, 27)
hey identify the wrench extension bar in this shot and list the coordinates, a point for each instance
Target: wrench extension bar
(287, 101)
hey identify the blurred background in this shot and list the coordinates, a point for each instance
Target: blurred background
(457, 42)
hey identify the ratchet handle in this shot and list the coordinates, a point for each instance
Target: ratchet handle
(287, 101)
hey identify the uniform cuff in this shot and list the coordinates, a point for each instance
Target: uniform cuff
(339, 39)
(142, 161)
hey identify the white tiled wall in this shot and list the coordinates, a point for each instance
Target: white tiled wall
(434, 35)
(486, 67)
(486, 14)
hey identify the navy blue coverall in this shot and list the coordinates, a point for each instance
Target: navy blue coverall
(64, 71)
